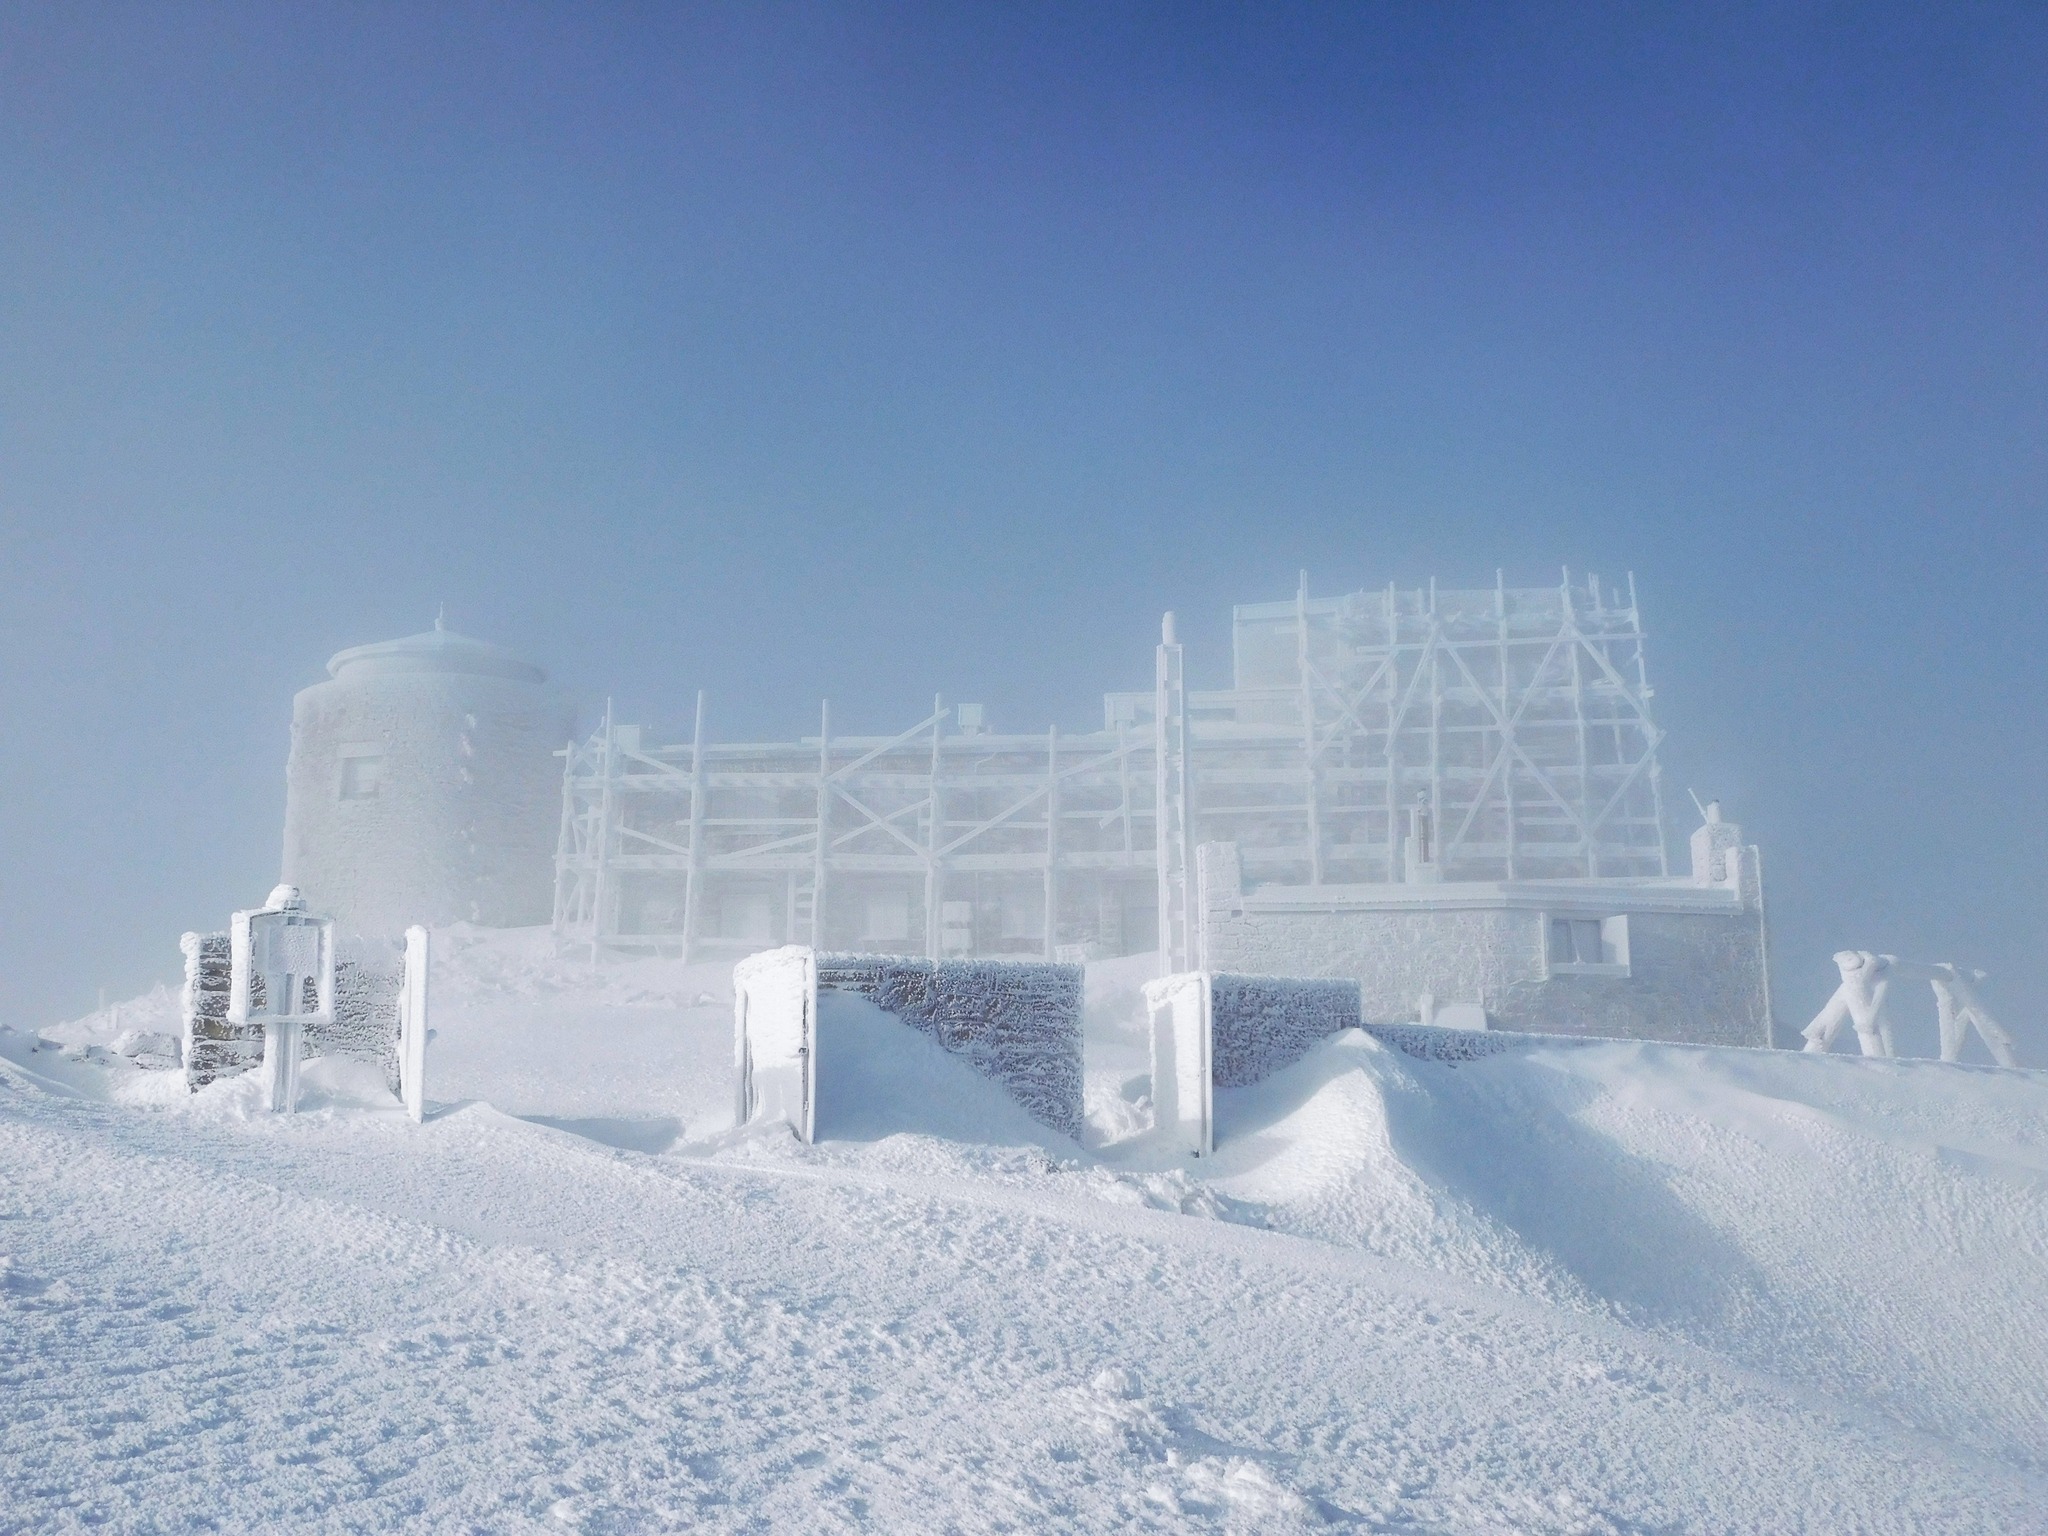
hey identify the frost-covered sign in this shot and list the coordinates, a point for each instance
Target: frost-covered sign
(282, 967)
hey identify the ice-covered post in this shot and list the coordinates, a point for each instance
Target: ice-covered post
(1860, 998)
(1180, 1014)
(412, 1025)
(1956, 999)
(292, 953)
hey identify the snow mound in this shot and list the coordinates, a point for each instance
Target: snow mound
(1586, 1288)
(1877, 1229)
(878, 1077)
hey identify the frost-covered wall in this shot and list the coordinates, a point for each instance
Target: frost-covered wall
(368, 976)
(423, 788)
(1213, 1031)
(1016, 1022)
(1261, 1024)
(1692, 976)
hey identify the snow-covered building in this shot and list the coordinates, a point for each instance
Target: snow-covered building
(1452, 796)
(424, 786)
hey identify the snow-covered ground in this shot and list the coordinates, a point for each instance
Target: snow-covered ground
(1598, 1287)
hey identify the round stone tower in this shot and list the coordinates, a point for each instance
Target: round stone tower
(423, 786)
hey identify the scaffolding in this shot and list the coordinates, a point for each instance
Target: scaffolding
(1403, 735)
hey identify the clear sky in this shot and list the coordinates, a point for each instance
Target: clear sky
(874, 351)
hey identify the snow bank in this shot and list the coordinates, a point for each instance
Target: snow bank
(879, 1077)
(1875, 1230)
(1017, 1023)
(1597, 1287)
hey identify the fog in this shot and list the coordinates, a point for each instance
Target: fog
(795, 354)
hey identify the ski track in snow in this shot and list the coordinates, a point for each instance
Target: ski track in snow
(1383, 1309)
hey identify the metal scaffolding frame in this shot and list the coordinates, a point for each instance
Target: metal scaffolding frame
(931, 841)
(1389, 736)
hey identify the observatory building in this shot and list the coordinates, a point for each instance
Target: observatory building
(1452, 796)
(424, 786)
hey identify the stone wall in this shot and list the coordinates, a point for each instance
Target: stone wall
(212, 1046)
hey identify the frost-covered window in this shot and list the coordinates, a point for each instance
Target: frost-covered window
(362, 774)
(1589, 946)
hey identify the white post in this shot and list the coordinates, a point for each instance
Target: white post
(1180, 1012)
(412, 1025)
(934, 879)
(824, 820)
(693, 877)
(599, 884)
(1308, 733)
(1052, 841)
(1176, 852)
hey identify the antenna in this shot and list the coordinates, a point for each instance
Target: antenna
(1698, 807)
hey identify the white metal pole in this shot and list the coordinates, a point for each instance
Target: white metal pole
(694, 875)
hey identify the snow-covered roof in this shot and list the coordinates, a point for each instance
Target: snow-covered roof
(435, 650)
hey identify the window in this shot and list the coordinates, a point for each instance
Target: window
(1588, 946)
(362, 775)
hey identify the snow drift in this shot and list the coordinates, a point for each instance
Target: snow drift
(1560, 1288)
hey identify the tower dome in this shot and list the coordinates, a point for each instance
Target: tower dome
(423, 787)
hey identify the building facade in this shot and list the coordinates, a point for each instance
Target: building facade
(1452, 795)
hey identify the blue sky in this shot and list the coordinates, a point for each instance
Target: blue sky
(875, 351)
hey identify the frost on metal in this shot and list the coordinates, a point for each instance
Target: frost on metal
(1264, 1023)
(1017, 1023)
(211, 1045)
(1866, 984)
(364, 1025)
